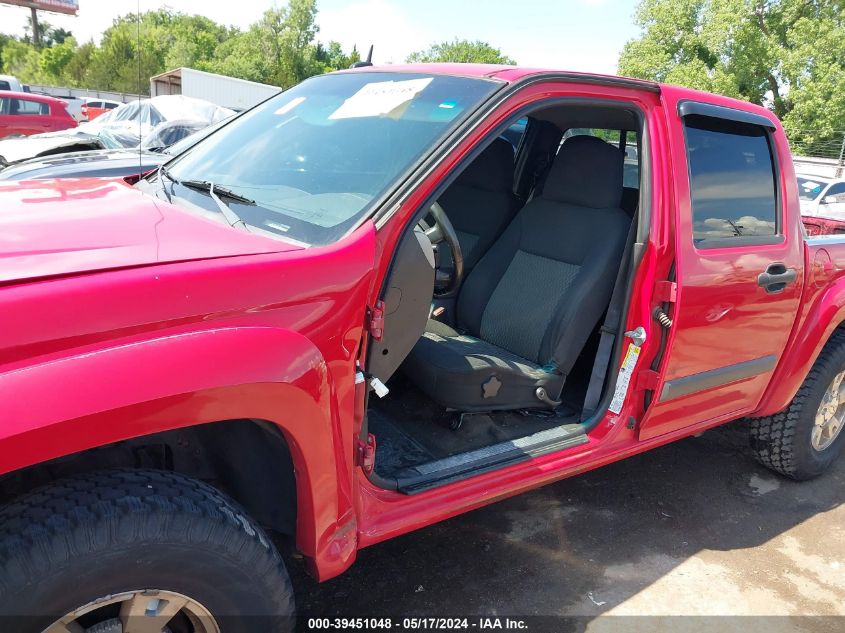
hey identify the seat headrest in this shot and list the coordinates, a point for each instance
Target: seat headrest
(492, 169)
(587, 172)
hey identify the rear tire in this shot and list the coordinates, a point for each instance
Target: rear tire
(138, 532)
(793, 442)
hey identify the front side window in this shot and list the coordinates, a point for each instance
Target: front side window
(732, 179)
(313, 160)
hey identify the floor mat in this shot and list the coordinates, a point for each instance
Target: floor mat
(395, 451)
(407, 412)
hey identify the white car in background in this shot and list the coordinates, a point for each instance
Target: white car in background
(8, 82)
(821, 197)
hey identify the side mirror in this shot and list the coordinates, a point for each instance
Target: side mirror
(830, 200)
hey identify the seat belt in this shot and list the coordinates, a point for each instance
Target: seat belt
(609, 330)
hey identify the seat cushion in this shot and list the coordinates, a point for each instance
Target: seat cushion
(469, 374)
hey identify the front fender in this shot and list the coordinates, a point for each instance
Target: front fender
(823, 312)
(93, 398)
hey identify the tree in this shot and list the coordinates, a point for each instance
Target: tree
(788, 55)
(55, 59)
(463, 51)
(280, 48)
(331, 57)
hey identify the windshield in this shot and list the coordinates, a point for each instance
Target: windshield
(809, 189)
(312, 160)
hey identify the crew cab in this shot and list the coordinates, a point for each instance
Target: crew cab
(382, 298)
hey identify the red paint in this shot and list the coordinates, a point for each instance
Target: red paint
(815, 225)
(24, 113)
(123, 316)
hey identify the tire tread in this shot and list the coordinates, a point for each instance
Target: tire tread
(43, 530)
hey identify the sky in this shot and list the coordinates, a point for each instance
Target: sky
(584, 35)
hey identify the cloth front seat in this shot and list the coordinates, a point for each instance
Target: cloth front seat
(526, 310)
(481, 203)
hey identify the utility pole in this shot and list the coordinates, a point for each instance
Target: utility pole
(36, 32)
(840, 164)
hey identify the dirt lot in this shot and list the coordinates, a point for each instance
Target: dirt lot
(695, 528)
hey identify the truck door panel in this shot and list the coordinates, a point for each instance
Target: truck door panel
(739, 268)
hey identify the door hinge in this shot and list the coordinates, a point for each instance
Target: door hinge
(375, 320)
(666, 291)
(367, 453)
(647, 380)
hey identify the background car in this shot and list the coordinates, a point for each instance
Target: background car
(8, 82)
(22, 114)
(821, 197)
(127, 163)
(127, 126)
(94, 107)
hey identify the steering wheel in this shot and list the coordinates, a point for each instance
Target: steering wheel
(446, 284)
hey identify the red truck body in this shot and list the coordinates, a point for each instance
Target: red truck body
(123, 316)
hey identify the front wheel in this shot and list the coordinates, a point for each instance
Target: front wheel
(138, 551)
(803, 440)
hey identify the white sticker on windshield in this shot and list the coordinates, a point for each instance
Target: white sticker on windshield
(376, 99)
(623, 381)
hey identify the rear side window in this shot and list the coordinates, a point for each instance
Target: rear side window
(732, 179)
(4, 85)
(26, 107)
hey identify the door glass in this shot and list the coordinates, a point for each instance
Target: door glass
(732, 181)
(836, 194)
(515, 132)
(31, 107)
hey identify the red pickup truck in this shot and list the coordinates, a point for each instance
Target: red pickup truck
(377, 300)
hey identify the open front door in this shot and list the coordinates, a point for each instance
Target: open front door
(406, 302)
(739, 269)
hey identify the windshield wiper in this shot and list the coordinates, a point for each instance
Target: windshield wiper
(216, 192)
(163, 172)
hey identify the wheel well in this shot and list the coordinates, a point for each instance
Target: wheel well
(247, 459)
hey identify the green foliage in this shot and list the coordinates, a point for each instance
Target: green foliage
(278, 49)
(788, 55)
(462, 51)
(281, 49)
(332, 57)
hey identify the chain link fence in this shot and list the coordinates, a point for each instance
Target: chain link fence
(818, 154)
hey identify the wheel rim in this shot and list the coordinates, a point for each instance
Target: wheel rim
(142, 611)
(830, 415)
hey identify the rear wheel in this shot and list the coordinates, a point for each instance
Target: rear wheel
(803, 440)
(138, 551)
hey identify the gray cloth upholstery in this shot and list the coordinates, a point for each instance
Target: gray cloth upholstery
(448, 365)
(587, 172)
(526, 310)
(480, 203)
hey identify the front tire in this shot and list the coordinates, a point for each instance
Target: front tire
(139, 544)
(802, 441)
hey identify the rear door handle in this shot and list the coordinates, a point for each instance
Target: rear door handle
(776, 277)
